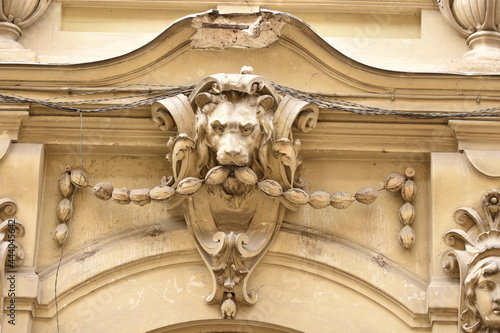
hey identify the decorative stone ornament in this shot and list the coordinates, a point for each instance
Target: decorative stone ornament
(11, 251)
(68, 183)
(235, 167)
(476, 259)
(478, 21)
(407, 213)
(16, 15)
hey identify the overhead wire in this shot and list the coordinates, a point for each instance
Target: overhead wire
(158, 92)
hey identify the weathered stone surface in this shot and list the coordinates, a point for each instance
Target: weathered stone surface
(256, 30)
(133, 262)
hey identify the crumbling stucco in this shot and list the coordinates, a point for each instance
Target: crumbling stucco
(256, 30)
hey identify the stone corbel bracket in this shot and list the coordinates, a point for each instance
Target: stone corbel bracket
(475, 258)
(232, 222)
(11, 251)
(236, 170)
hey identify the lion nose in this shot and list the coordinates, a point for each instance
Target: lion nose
(234, 152)
(232, 156)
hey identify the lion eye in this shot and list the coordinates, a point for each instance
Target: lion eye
(218, 127)
(246, 130)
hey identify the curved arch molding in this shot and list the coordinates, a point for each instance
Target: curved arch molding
(228, 326)
(165, 273)
(176, 57)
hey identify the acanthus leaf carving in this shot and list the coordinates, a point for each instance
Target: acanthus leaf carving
(475, 258)
(181, 157)
(236, 171)
(238, 150)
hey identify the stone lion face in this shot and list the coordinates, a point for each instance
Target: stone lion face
(235, 128)
(233, 132)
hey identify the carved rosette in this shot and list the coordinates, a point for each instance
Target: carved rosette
(478, 21)
(476, 257)
(16, 15)
(234, 175)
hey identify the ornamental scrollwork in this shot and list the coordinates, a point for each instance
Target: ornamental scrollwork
(232, 160)
(235, 172)
(476, 260)
(11, 251)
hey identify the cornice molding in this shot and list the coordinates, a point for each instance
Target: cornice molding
(215, 325)
(158, 62)
(302, 5)
(103, 134)
(12, 117)
(134, 132)
(380, 137)
(476, 134)
(138, 135)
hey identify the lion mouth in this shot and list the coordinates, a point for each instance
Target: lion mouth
(233, 161)
(237, 164)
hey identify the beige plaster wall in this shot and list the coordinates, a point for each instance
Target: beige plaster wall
(130, 268)
(177, 292)
(386, 38)
(372, 226)
(455, 183)
(122, 171)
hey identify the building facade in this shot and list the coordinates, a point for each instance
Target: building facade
(298, 166)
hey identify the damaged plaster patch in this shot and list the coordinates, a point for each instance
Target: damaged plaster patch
(85, 255)
(255, 30)
(379, 259)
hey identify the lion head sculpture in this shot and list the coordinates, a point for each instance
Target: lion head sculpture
(234, 128)
(236, 160)
(239, 124)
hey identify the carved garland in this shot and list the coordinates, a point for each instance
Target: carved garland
(68, 183)
(235, 170)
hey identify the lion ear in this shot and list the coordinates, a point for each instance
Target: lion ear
(202, 99)
(266, 102)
